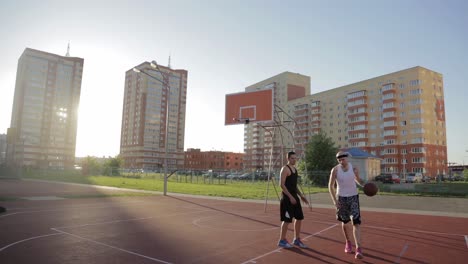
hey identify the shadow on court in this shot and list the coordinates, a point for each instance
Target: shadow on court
(96, 227)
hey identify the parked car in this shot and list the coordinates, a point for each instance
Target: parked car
(387, 178)
(414, 177)
(426, 179)
(245, 176)
(396, 178)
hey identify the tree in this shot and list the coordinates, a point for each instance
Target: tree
(319, 158)
(112, 166)
(91, 166)
(465, 174)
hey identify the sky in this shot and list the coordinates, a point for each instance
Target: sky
(227, 45)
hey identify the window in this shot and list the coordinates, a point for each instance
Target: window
(418, 130)
(416, 91)
(417, 121)
(356, 94)
(357, 102)
(358, 127)
(387, 87)
(388, 105)
(418, 150)
(419, 160)
(388, 114)
(389, 123)
(417, 140)
(390, 151)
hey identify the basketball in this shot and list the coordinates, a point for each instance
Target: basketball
(370, 189)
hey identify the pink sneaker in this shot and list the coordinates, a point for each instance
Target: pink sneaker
(358, 254)
(348, 247)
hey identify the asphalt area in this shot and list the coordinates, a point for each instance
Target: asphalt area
(95, 225)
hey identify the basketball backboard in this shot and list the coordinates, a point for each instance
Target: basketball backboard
(246, 107)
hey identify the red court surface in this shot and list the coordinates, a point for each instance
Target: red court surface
(183, 229)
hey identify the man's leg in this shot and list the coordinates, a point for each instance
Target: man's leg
(357, 234)
(284, 230)
(283, 242)
(297, 228)
(345, 228)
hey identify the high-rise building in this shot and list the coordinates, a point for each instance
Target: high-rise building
(45, 110)
(3, 148)
(144, 129)
(399, 117)
(267, 143)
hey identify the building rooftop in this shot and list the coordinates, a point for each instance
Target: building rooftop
(359, 153)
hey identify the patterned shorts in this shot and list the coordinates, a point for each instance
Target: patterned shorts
(348, 209)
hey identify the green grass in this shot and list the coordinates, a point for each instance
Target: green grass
(103, 195)
(235, 189)
(450, 189)
(9, 199)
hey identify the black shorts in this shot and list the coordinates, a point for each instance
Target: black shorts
(347, 209)
(289, 211)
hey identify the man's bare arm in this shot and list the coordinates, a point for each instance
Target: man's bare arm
(331, 185)
(357, 178)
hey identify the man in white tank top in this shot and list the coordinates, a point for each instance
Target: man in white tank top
(346, 199)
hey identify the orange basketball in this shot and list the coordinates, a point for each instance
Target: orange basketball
(370, 189)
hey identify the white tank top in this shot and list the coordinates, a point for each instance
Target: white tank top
(345, 182)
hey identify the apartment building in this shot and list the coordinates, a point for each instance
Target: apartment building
(3, 148)
(195, 159)
(153, 117)
(267, 143)
(399, 117)
(45, 110)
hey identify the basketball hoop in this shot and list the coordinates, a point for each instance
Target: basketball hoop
(241, 120)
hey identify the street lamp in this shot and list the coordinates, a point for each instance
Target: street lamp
(404, 166)
(165, 83)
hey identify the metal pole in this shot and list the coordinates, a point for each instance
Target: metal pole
(404, 166)
(166, 136)
(165, 84)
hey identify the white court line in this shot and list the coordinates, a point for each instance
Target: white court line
(466, 241)
(109, 246)
(100, 223)
(65, 208)
(405, 247)
(278, 250)
(412, 230)
(197, 223)
(77, 206)
(27, 239)
(129, 220)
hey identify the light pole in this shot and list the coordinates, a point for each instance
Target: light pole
(165, 83)
(404, 166)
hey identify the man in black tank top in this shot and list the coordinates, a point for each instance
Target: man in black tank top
(290, 205)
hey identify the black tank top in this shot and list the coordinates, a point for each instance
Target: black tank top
(291, 181)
